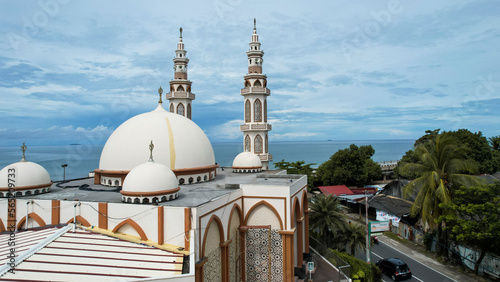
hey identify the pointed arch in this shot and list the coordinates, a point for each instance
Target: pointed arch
(2, 227)
(247, 84)
(265, 110)
(180, 88)
(273, 209)
(257, 83)
(171, 107)
(305, 205)
(221, 232)
(180, 109)
(257, 146)
(298, 236)
(257, 107)
(248, 144)
(296, 210)
(80, 219)
(188, 89)
(134, 225)
(35, 217)
(240, 214)
(248, 111)
(189, 111)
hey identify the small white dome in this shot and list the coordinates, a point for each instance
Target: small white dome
(150, 180)
(180, 143)
(27, 175)
(247, 161)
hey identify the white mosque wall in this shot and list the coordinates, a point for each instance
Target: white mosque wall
(4, 209)
(86, 210)
(173, 222)
(146, 216)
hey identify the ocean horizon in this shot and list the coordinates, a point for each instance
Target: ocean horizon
(82, 159)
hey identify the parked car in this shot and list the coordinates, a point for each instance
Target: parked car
(395, 268)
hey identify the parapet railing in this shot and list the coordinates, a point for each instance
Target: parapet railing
(343, 267)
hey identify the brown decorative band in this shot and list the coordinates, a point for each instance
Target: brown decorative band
(20, 188)
(180, 171)
(248, 167)
(149, 194)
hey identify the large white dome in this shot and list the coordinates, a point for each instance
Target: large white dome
(30, 178)
(179, 143)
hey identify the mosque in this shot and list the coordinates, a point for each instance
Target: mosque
(159, 207)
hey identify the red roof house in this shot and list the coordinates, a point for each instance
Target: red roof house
(337, 190)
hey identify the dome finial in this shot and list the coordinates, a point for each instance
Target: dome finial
(180, 30)
(254, 24)
(160, 91)
(151, 147)
(24, 148)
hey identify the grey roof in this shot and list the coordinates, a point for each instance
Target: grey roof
(390, 204)
(395, 189)
(191, 195)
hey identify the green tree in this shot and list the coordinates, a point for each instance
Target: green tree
(473, 218)
(350, 166)
(442, 169)
(327, 216)
(495, 142)
(298, 167)
(355, 237)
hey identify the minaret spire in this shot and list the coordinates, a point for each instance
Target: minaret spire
(160, 91)
(180, 95)
(151, 147)
(255, 130)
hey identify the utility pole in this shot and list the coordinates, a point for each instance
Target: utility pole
(367, 229)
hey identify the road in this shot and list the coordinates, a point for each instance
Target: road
(420, 272)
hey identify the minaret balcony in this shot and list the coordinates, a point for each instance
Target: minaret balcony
(181, 94)
(256, 127)
(266, 157)
(255, 90)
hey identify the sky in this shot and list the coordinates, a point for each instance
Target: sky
(73, 71)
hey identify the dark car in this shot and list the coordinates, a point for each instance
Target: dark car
(395, 268)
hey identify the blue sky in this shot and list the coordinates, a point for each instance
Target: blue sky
(72, 71)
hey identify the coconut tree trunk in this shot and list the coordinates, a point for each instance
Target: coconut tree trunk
(479, 260)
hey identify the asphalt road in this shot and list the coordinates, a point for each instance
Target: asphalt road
(420, 272)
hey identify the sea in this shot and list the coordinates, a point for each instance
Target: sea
(82, 159)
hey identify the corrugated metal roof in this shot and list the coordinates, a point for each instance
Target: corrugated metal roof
(85, 255)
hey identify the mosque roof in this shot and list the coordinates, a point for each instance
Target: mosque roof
(58, 254)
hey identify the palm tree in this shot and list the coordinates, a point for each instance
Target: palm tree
(441, 170)
(327, 216)
(494, 142)
(355, 236)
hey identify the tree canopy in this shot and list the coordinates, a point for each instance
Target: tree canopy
(352, 166)
(298, 167)
(327, 216)
(480, 149)
(473, 218)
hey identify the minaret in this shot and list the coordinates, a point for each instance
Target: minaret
(255, 93)
(180, 95)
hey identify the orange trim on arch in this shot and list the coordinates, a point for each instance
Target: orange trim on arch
(2, 227)
(305, 205)
(235, 207)
(221, 232)
(80, 219)
(269, 206)
(35, 217)
(134, 225)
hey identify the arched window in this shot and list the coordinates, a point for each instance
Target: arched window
(248, 111)
(188, 89)
(247, 143)
(117, 183)
(257, 83)
(257, 106)
(258, 145)
(171, 107)
(189, 111)
(180, 109)
(247, 84)
(172, 88)
(180, 88)
(265, 110)
(267, 145)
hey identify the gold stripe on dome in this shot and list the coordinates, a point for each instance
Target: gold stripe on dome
(171, 144)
